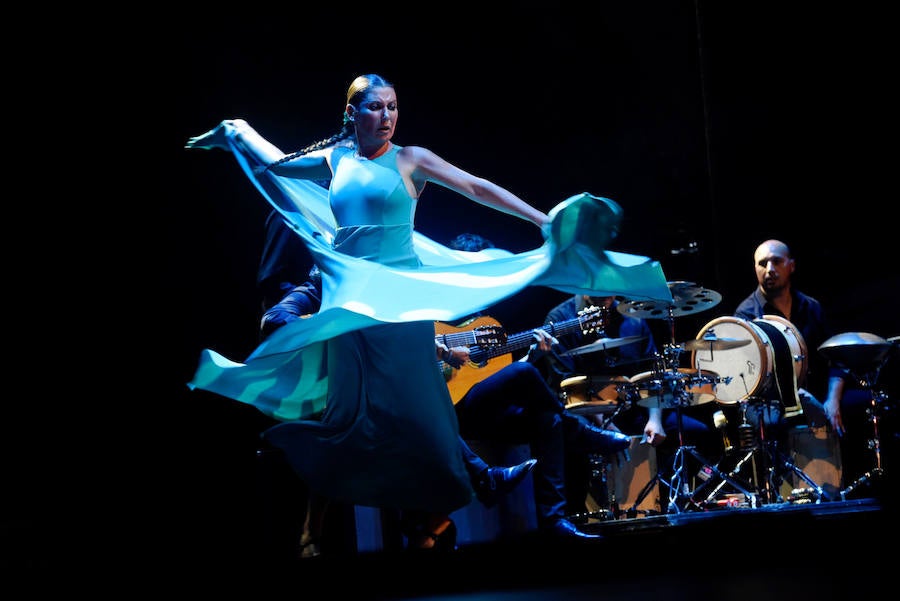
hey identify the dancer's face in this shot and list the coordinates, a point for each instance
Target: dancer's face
(376, 117)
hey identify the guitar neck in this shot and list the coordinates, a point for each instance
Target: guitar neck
(479, 354)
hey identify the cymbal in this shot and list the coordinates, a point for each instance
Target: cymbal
(855, 350)
(712, 343)
(603, 344)
(687, 299)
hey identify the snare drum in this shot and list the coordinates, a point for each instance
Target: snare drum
(587, 395)
(776, 355)
(668, 389)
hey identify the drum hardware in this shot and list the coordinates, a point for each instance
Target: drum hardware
(863, 355)
(755, 357)
(671, 385)
(601, 514)
(668, 386)
(598, 485)
(721, 423)
(754, 445)
(680, 497)
(599, 490)
(603, 344)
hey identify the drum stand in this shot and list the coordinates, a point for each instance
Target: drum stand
(861, 352)
(680, 497)
(678, 485)
(874, 443)
(770, 457)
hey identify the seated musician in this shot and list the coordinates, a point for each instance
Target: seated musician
(657, 425)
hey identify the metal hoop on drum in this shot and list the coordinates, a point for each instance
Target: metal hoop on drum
(591, 395)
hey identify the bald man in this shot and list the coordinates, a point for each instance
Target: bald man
(776, 295)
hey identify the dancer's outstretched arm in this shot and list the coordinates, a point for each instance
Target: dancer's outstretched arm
(239, 131)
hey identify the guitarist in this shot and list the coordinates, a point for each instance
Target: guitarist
(516, 406)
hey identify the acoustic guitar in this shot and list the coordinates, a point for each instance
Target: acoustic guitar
(490, 349)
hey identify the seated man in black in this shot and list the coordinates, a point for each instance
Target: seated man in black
(515, 405)
(660, 426)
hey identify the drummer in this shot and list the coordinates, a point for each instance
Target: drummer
(658, 427)
(844, 403)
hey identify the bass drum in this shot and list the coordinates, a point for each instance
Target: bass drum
(775, 356)
(793, 357)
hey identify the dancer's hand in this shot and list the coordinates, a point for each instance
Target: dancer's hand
(217, 137)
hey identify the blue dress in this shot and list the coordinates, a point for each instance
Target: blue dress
(388, 435)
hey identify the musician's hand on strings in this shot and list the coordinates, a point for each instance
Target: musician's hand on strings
(454, 357)
(544, 341)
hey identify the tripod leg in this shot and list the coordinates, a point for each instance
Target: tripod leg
(864, 479)
(632, 511)
(874, 443)
(725, 478)
(786, 462)
(730, 478)
(678, 486)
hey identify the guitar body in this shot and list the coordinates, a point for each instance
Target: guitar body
(459, 381)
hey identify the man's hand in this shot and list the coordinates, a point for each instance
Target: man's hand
(454, 357)
(544, 341)
(833, 415)
(653, 429)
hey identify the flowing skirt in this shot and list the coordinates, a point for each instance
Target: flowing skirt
(388, 435)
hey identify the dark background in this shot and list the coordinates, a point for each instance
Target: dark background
(720, 124)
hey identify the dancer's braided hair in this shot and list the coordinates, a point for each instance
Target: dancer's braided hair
(355, 94)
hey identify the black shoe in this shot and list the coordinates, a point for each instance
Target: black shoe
(585, 437)
(497, 481)
(563, 528)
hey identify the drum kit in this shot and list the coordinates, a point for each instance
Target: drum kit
(733, 362)
(666, 386)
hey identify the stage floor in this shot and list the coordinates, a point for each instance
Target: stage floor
(828, 550)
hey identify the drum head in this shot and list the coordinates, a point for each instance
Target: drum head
(743, 371)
